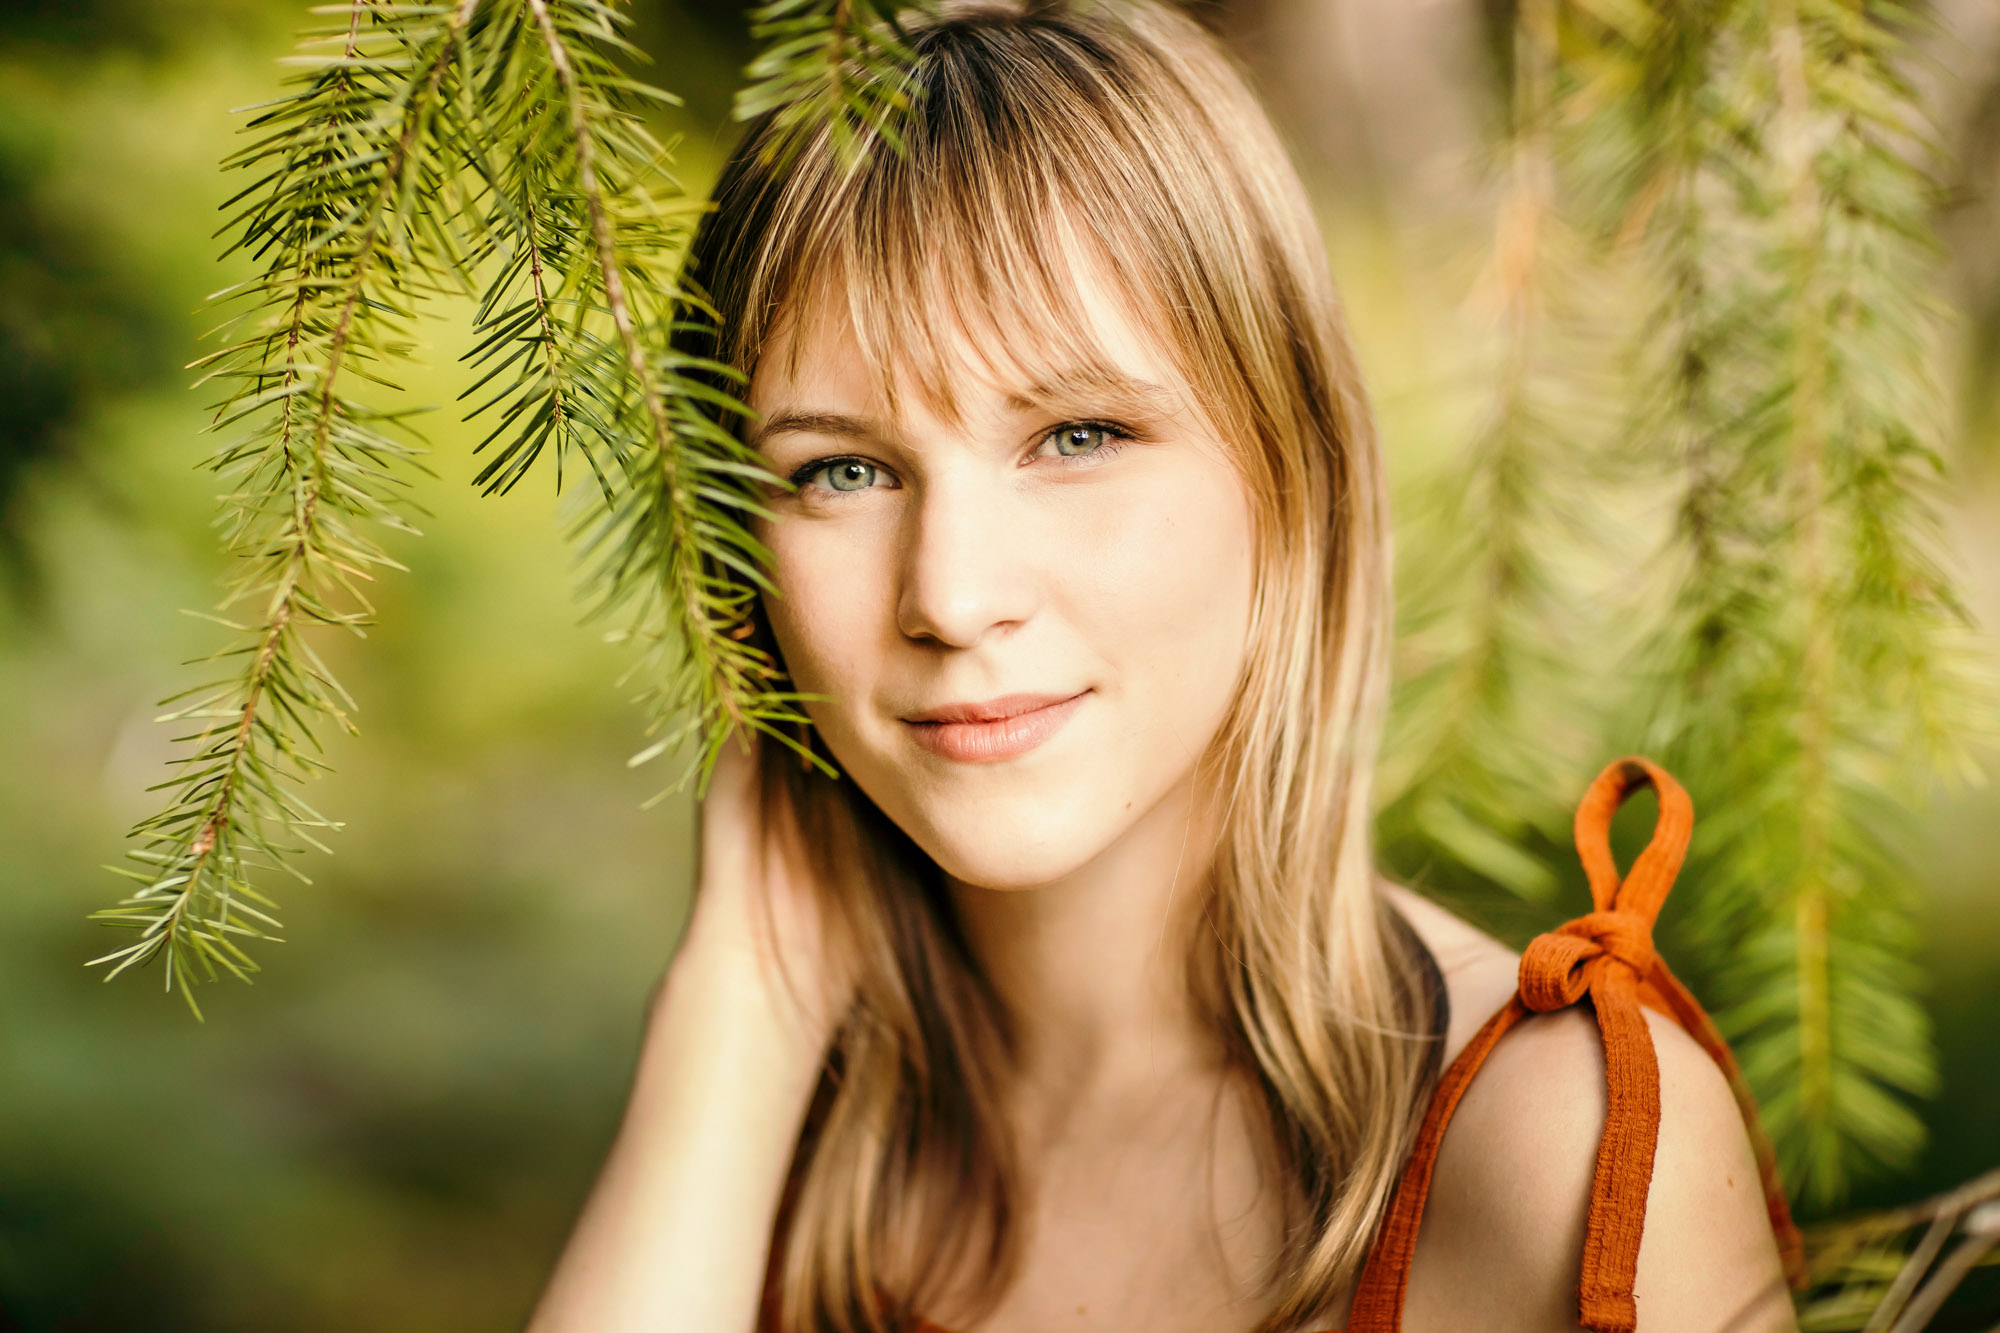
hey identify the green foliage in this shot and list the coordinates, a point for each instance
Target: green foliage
(339, 216)
(1486, 733)
(839, 64)
(1893, 1272)
(426, 150)
(576, 325)
(1805, 663)
(1818, 655)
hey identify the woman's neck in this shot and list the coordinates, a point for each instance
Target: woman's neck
(1092, 967)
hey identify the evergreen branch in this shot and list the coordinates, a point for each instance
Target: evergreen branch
(1806, 464)
(675, 543)
(1814, 668)
(539, 331)
(1679, 429)
(345, 177)
(671, 547)
(842, 67)
(428, 147)
(1488, 625)
(1856, 725)
(1892, 1272)
(1810, 667)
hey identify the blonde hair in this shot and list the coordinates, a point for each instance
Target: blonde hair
(1122, 129)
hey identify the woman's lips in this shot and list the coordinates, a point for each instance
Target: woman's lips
(995, 730)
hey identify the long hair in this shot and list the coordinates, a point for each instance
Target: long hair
(1122, 130)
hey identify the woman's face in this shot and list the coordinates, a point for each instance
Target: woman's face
(1029, 623)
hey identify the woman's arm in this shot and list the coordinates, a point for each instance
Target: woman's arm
(676, 1234)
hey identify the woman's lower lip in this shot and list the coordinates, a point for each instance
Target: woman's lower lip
(988, 742)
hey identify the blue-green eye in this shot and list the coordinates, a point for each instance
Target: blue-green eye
(1079, 438)
(848, 474)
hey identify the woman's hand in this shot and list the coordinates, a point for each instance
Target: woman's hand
(677, 1232)
(759, 931)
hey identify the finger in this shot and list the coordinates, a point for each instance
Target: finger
(735, 767)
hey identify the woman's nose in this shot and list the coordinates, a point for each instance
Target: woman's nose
(964, 571)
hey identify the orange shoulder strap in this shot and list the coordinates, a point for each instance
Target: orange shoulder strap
(1608, 957)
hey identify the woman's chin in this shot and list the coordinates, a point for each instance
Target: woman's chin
(1009, 856)
(1008, 828)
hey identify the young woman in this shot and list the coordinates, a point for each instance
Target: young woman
(1075, 1003)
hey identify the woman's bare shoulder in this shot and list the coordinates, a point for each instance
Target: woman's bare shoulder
(1505, 1220)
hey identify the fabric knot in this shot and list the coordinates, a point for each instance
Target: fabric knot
(1625, 936)
(1558, 967)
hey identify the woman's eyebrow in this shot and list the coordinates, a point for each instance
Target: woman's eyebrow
(1068, 389)
(841, 425)
(1096, 382)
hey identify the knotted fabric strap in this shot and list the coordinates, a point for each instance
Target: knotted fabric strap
(1608, 957)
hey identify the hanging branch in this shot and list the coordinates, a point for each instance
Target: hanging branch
(1487, 722)
(576, 324)
(1813, 673)
(1808, 670)
(434, 150)
(841, 65)
(346, 175)
(1893, 1271)
(1664, 73)
(1856, 693)
(1674, 90)
(674, 550)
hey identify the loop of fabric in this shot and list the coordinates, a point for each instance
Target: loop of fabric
(1552, 970)
(1606, 955)
(1558, 968)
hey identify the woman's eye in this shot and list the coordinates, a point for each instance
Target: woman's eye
(1080, 438)
(843, 474)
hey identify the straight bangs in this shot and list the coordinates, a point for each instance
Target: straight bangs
(1034, 171)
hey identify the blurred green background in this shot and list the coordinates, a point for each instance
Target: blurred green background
(393, 1128)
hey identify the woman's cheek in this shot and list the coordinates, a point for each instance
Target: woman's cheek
(826, 619)
(1168, 591)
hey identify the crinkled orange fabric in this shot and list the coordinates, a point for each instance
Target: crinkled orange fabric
(1606, 957)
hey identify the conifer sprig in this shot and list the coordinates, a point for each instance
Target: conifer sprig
(587, 303)
(1810, 672)
(1847, 652)
(841, 65)
(496, 146)
(1487, 720)
(339, 216)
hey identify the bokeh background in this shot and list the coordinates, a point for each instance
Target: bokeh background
(392, 1129)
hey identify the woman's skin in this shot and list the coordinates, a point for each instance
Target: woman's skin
(926, 562)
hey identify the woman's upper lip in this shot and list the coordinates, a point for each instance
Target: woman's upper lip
(991, 710)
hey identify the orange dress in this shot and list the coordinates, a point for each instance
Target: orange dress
(1606, 957)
